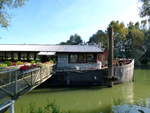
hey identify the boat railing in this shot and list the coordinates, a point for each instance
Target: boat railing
(124, 71)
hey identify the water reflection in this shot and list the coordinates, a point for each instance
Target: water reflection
(126, 94)
(148, 102)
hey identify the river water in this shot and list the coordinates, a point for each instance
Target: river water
(90, 99)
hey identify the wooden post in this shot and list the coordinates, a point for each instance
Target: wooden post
(111, 56)
(28, 55)
(5, 56)
(12, 56)
(34, 55)
(19, 56)
(16, 77)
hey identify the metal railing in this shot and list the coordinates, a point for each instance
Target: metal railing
(15, 82)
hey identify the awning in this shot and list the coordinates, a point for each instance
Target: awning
(47, 53)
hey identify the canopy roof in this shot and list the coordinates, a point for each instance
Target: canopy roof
(50, 48)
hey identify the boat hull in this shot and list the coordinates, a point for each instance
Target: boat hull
(122, 74)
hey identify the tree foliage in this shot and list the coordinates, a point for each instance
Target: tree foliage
(145, 9)
(73, 40)
(5, 5)
(99, 38)
(119, 29)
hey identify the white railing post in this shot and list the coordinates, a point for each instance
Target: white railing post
(16, 78)
(8, 105)
(12, 108)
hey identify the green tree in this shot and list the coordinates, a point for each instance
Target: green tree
(134, 42)
(145, 9)
(120, 32)
(73, 40)
(99, 38)
(145, 12)
(137, 37)
(146, 57)
(5, 5)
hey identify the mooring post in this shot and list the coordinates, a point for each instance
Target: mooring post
(111, 56)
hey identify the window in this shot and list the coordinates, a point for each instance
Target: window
(31, 56)
(91, 58)
(15, 55)
(2, 55)
(37, 57)
(81, 58)
(73, 58)
(8, 56)
(23, 56)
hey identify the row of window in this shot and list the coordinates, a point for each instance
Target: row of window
(15, 56)
(82, 58)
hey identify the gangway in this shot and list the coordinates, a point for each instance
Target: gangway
(15, 82)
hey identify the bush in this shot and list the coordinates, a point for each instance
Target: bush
(33, 62)
(3, 65)
(25, 67)
(52, 61)
(39, 64)
(19, 63)
(9, 63)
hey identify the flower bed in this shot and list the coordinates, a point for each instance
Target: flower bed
(6, 65)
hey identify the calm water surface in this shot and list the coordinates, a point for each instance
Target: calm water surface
(90, 99)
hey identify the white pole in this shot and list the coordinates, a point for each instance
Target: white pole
(11, 108)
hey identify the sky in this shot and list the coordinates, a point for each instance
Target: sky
(53, 21)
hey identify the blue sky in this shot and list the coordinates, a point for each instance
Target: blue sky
(53, 21)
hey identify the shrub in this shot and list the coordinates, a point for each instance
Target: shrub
(25, 67)
(52, 61)
(19, 63)
(33, 65)
(33, 62)
(3, 65)
(39, 64)
(14, 63)
(9, 63)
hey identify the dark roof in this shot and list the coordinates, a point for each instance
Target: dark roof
(50, 48)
